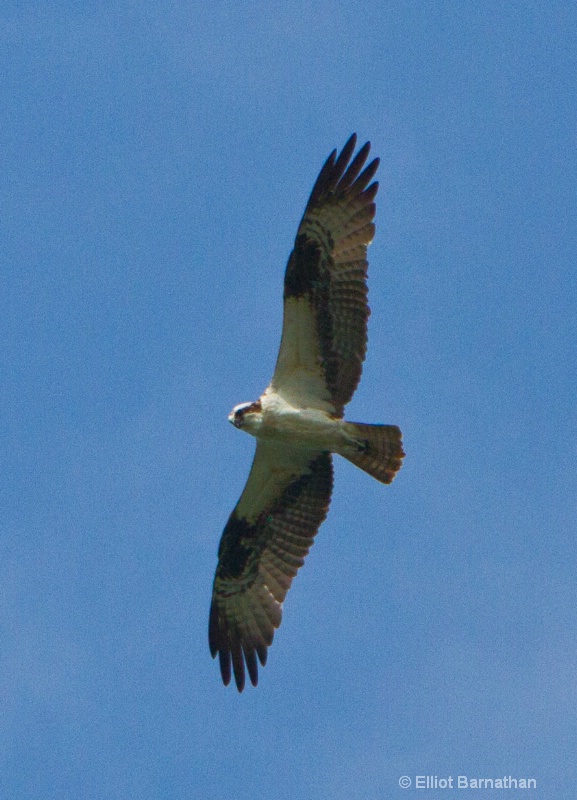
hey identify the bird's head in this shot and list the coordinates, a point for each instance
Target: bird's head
(247, 416)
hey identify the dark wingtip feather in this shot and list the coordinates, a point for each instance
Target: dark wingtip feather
(355, 167)
(250, 658)
(370, 192)
(351, 142)
(323, 177)
(346, 153)
(340, 164)
(338, 175)
(213, 630)
(262, 653)
(366, 176)
(224, 660)
(237, 664)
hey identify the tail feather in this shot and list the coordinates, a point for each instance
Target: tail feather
(380, 449)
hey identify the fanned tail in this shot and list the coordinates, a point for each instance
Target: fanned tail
(380, 450)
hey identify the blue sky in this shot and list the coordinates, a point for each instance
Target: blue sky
(156, 159)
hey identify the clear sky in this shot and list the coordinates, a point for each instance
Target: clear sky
(156, 159)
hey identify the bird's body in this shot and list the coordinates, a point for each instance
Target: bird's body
(298, 421)
(310, 429)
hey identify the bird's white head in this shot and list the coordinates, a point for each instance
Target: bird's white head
(247, 416)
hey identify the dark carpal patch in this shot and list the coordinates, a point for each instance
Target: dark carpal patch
(303, 269)
(241, 541)
(236, 547)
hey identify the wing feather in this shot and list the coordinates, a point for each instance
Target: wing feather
(324, 337)
(260, 552)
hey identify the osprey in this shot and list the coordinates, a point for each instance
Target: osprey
(298, 421)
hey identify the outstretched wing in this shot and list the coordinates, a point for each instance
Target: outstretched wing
(324, 338)
(264, 543)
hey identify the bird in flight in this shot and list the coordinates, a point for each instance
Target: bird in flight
(298, 421)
